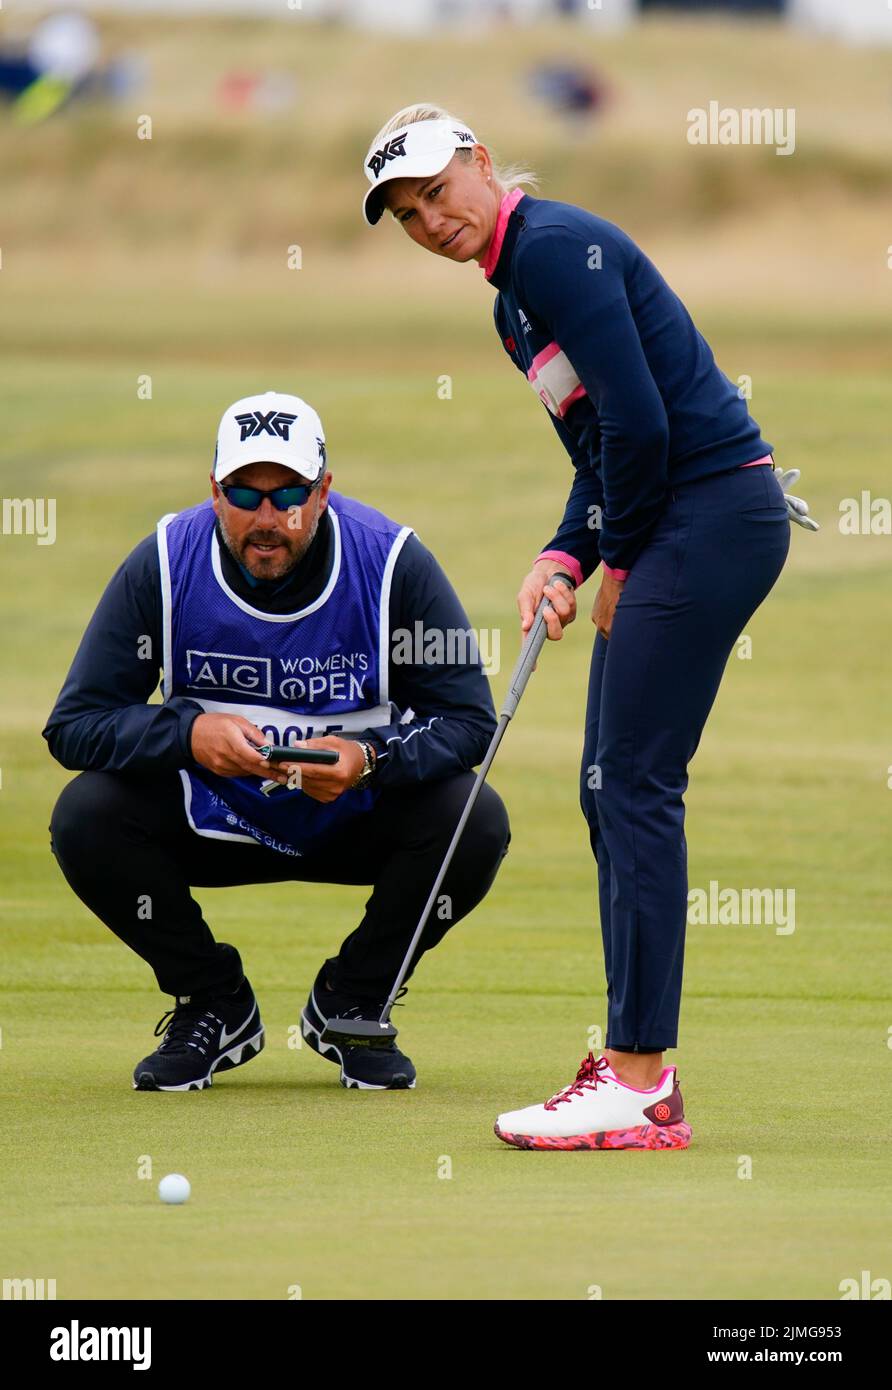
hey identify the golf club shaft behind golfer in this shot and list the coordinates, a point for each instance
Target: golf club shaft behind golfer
(529, 653)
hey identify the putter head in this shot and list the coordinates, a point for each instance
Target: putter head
(358, 1032)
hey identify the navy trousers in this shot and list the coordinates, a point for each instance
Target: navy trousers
(714, 554)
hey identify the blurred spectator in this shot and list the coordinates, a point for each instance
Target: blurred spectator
(569, 90)
(60, 62)
(66, 46)
(59, 59)
(269, 92)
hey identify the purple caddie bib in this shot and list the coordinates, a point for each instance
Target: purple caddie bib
(322, 670)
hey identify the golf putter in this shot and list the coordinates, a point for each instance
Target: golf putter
(365, 1032)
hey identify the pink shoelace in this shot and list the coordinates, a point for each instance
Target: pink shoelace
(589, 1077)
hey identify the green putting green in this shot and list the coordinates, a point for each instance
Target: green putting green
(783, 1055)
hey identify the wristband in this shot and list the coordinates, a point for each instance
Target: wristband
(572, 565)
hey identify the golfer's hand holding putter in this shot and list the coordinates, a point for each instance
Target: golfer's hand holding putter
(562, 600)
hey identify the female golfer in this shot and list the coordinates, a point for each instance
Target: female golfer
(674, 492)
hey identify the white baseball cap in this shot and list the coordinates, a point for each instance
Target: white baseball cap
(424, 147)
(270, 428)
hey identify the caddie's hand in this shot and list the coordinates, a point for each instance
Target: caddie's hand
(326, 783)
(563, 599)
(797, 508)
(606, 600)
(220, 743)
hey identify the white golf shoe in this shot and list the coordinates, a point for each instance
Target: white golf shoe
(598, 1111)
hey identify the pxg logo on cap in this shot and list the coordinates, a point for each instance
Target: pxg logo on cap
(270, 428)
(273, 422)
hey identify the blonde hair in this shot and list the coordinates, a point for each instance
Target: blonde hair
(509, 176)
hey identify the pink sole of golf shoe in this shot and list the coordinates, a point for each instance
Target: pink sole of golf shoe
(677, 1136)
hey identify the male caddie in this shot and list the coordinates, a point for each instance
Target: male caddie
(273, 608)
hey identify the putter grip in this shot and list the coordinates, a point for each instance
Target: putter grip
(529, 652)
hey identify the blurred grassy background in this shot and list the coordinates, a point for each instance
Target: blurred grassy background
(214, 187)
(168, 258)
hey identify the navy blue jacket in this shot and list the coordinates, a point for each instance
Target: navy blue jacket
(632, 387)
(101, 719)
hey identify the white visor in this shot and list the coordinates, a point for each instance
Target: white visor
(425, 147)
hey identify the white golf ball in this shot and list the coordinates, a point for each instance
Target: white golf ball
(174, 1189)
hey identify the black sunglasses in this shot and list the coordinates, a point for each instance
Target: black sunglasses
(248, 499)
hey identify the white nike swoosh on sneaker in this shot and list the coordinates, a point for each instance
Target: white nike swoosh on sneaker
(226, 1038)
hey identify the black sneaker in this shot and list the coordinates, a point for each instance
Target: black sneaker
(362, 1068)
(201, 1036)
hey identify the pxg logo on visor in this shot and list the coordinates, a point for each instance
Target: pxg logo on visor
(392, 150)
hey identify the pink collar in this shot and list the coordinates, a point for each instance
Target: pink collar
(506, 207)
